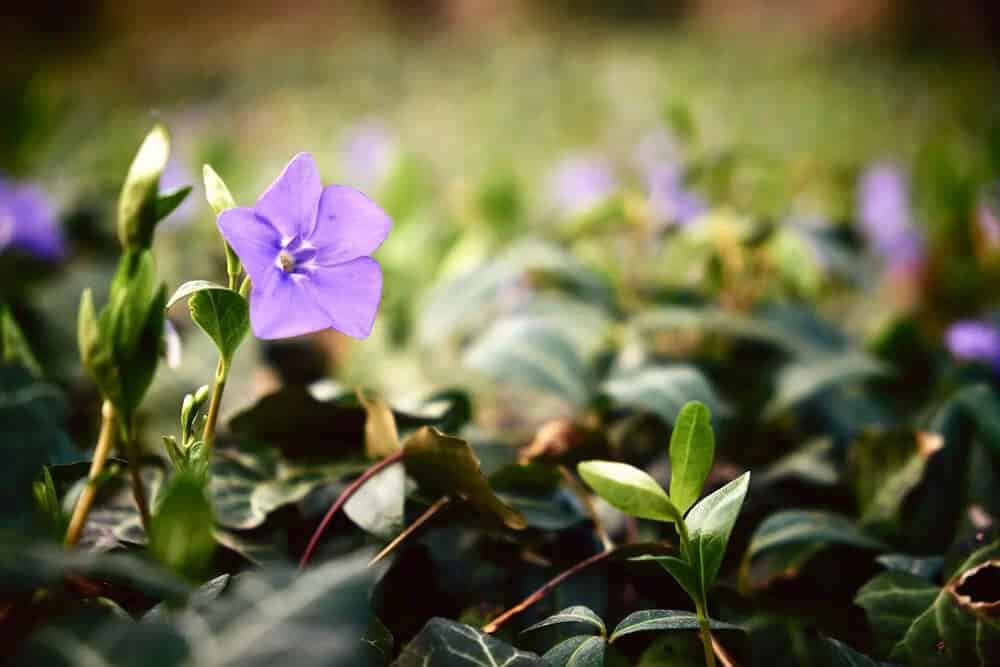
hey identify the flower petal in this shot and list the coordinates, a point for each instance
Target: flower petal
(279, 308)
(290, 203)
(349, 293)
(255, 241)
(348, 225)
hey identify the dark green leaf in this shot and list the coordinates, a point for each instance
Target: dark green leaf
(892, 601)
(444, 643)
(662, 391)
(629, 489)
(663, 620)
(446, 466)
(802, 380)
(692, 451)
(682, 572)
(168, 203)
(795, 527)
(840, 654)
(583, 651)
(14, 347)
(578, 614)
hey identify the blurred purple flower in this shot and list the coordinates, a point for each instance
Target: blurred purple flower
(171, 345)
(306, 250)
(28, 221)
(670, 200)
(368, 153)
(974, 340)
(886, 217)
(581, 182)
(987, 216)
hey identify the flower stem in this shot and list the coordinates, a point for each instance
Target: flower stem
(221, 374)
(86, 500)
(344, 496)
(135, 472)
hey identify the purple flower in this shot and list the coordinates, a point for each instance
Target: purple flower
(886, 217)
(306, 250)
(28, 221)
(582, 182)
(367, 153)
(670, 201)
(974, 340)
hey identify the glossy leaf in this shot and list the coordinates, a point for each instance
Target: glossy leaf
(444, 643)
(446, 466)
(692, 451)
(710, 523)
(218, 311)
(795, 527)
(800, 381)
(663, 620)
(180, 530)
(662, 390)
(582, 651)
(577, 614)
(629, 489)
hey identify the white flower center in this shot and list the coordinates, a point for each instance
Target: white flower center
(286, 261)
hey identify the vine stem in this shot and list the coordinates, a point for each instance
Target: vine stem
(700, 602)
(344, 496)
(105, 440)
(219, 386)
(495, 624)
(412, 528)
(135, 472)
(588, 504)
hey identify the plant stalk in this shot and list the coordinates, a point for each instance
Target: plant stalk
(105, 440)
(705, 633)
(412, 528)
(219, 386)
(135, 473)
(344, 496)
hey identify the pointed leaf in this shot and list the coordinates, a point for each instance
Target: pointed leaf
(629, 489)
(168, 203)
(137, 202)
(664, 620)
(692, 450)
(180, 531)
(446, 466)
(224, 315)
(710, 523)
(582, 651)
(216, 192)
(681, 571)
(662, 390)
(576, 614)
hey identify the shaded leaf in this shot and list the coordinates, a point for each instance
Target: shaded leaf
(800, 381)
(583, 651)
(444, 643)
(377, 506)
(840, 654)
(663, 620)
(180, 530)
(795, 527)
(662, 390)
(446, 466)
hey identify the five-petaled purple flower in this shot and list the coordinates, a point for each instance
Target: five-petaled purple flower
(974, 340)
(306, 250)
(886, 217)
(28, 221)
(581, 182)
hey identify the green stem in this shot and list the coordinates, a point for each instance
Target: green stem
(705, 633)
(86, 500)
(700, 602)
(135, 472)
(208, 436)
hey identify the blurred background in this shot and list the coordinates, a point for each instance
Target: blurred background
(838, 152)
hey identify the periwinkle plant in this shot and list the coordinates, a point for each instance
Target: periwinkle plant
(703, 527)
(300, 254)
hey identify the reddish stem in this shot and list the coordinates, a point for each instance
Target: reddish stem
(344, 496)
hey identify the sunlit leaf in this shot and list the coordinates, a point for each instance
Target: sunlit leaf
(629, 489)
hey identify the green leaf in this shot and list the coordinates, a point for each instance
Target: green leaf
(662, 390)
(137, 202)
(216, 192)
(446, 466)
(710, 523)
(582, 651)
(892, 600)
(180, 531)
(692, 450)
(444, 643)
(800, 381)
(528, 352)
(629, 489)
(220, 312)
(168, 203)
(14, 347)
(795, 527)
(886, 471)
(663, 620)
(249, 483)
(576, 614)
(682, 572)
